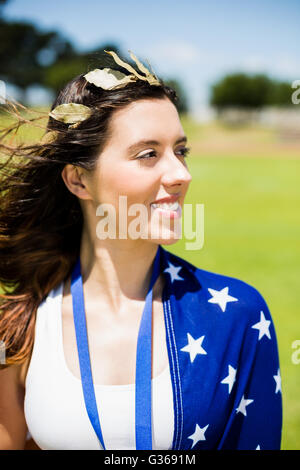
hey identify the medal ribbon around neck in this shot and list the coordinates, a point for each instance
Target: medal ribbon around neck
(143, 401)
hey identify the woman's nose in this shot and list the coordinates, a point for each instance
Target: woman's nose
(176, 171)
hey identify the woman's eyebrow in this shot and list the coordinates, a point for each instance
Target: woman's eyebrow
(136, 145)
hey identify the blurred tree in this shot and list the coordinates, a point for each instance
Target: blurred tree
(25, 52)
(280, 94)
(182, 103)
(244, 91)
(56, 75)
(240, 90)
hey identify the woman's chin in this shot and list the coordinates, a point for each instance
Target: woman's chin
(168, 242)
(167, 239)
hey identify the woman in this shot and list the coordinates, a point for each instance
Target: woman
(79, 371)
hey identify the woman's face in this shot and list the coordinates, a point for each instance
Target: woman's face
(161, 173)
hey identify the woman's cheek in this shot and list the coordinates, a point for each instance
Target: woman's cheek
(136, 184)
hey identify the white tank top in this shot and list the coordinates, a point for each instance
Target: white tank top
(54, 404)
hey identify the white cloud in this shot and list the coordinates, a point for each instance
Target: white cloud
(254, 63)
(281, 67)
(174, 52)
(287, 66)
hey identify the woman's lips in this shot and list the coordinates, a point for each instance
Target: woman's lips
(169, 213)
(167, 199)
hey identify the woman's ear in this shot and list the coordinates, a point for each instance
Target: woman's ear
(75, 181)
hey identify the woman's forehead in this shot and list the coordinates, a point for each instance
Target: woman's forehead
(146, 119)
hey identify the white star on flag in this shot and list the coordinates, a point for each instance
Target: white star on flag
(221, 297)
(277, 379)
(262, 326)
(230, 379)
(194, 347)
(173, 271)
(198, 434)
(242, 406)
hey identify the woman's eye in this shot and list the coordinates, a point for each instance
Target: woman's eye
(147, 155)
(183, 153)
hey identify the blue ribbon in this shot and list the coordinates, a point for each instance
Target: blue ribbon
(143, 422)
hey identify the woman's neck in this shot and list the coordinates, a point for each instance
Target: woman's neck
(118, 271)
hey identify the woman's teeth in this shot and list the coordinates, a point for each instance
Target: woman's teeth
(171, 207)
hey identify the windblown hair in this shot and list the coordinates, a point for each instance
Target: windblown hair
(40, 219)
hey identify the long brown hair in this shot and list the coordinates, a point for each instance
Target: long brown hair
(40, 219)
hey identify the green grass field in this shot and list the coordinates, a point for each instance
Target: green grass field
(248, 181)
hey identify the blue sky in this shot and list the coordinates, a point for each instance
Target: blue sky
(193, 40)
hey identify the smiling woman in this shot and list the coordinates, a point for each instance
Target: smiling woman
(113, 342)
